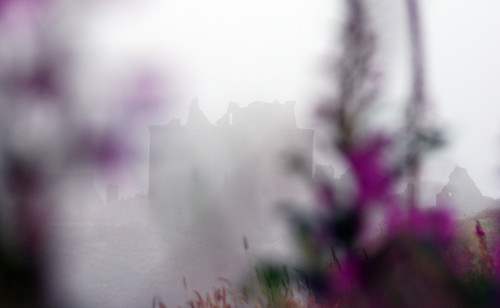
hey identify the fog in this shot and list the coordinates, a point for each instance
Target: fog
(148, 144)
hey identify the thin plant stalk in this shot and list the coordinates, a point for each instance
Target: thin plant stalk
(416, 106)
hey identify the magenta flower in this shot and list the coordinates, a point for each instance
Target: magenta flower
(479, 230)
(105, 150)
(496, 261)
(371, 170)
(349, 278)
(435, 224)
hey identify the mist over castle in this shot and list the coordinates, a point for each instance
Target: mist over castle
(215, 200)
(243, 159)
(254, 155)
(378, 188)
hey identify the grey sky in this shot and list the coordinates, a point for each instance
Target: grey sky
(269, 50)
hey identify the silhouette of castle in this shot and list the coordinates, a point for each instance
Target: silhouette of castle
(194, 164)
(462, 193)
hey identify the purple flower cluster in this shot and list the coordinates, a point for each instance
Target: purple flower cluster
(373, 175)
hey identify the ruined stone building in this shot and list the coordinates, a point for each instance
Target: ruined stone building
(462, 194)
(247, 154)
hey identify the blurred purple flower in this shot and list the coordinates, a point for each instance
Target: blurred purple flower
(371, 170)
(41, 81)
(479, 230)
(395, 217)
(144, 95)
(348, 279)
(27, 6)
(439, 223)
(105, 150)
(435, 224)
(496, 261)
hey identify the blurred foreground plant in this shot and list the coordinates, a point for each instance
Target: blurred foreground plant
(347, 262)
(46, 136)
